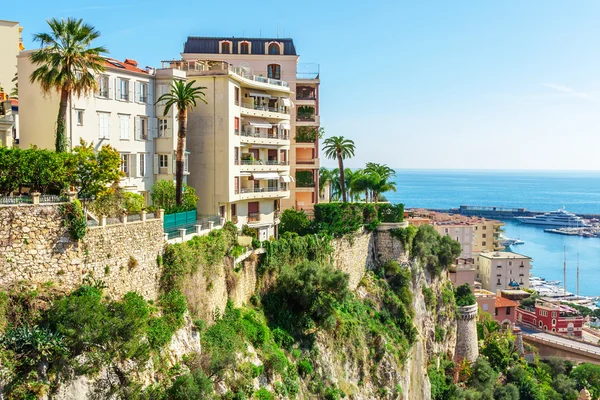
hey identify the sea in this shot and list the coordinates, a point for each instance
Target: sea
(577, 191)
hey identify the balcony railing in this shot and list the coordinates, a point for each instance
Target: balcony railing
(302, 96)
(253, 217)
(305, 184)
(264, 107)
(307, 161)
(263, 189)
(264, 162)
(249, 133)
(306, 117)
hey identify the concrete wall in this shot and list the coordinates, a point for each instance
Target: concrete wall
(9, 49)
(36, 247)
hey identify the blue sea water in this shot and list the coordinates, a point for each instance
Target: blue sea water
(535, 190)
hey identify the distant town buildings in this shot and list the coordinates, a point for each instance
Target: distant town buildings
(552, 316)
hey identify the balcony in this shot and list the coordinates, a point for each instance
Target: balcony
(263, 192)
(264, 107)
(264, 111)
(308, 120)
(249, 136)
(263, 165)
(253, 218)
(307, 162)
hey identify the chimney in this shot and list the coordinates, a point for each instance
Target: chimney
(131, 62)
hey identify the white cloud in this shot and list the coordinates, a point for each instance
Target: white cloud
(569, 91)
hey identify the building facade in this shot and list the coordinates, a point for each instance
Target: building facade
(11, 43)
(461, 232)
(486, 235)
(121, 113)
(505, 313)
(502, 270)
(552, 316)
(271, 60)
(240, 142)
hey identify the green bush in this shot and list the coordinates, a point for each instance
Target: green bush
(134, 203)
(75, 220)
(304, 179)
(305, 368)
(159, 333)
(390, 212)
(294, 221)
(405, 236)
(282, 338)
(308, 134)
(32, 345)
(263, 394)
(174, 307)
(464, 296)
(163, 196)
(435, 251)
(192, 386)
(291, 249)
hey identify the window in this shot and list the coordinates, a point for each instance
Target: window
(273, 49)
(141, 128)
(236, 155)
(553, 322)
(103, 125)
(123, 89)
(274, 71)
(237, 96)
(142, 92)
(484, 227)
(496, 311)
(102, 86)
(236, 184)
(142, 169)
(79, 116)
(124, 127)
(163, 160)
(233, 210)
(162, 127)
(483, 243)
(222, 211)
(186, 163)
(125, 164)
(498, 283)
(244, 48)
(507, 310)
(553, 314)
(484, 236)
(236, 125)
(225, 48)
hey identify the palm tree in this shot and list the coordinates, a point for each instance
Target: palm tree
(381, 179)
(335, 190)
(68, 64)
(183, 96)
(324, 179)
(14, 93)
(340, 148)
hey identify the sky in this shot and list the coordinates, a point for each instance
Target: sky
(463, 84)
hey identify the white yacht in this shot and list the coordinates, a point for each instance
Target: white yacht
(559, 218)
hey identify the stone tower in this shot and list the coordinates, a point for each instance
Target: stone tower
(466, 334)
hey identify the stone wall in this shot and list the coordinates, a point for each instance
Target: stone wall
(354, 255)
(466, 334)
(387, 247)
(36, 247)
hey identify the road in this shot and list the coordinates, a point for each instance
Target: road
(590, 348)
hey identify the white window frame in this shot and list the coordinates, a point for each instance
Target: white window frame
(79, 117)
(163, 160)
(163, 126)
(103, 87)
(103, 125)
(123, 95)
(124, 133)
(141, 127)
(142, 95)
(143, 165)
(125, 164)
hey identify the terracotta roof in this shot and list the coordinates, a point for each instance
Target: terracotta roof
(504, 302)
(116, 64)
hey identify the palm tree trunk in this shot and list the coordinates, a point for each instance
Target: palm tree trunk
(180, 156)
(342, 182)
(61, 122)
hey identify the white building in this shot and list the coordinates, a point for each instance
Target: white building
(120, 113)
(496, 270)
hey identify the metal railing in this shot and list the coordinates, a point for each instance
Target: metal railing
(280, 136)
(264, 107)
(308, 161)
(309, 118)
(253, 217)
(300, 96)
(264, 162)
(263, 189)
(239, 71)
(305, 184)
(15, 200)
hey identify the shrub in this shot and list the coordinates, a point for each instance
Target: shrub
(159, 333)
(191, 387)
(390, 212)
(163, 196)
(305, 368)
(282, 338)
(338, 219)
(464, 295)
(174, 307)
(405, 236)
(32, 345)
(294, 221)
(75, 220)
(263, 394)
(133, 203)
(304, 179)
(435, 251)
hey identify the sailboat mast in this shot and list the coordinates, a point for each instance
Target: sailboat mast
(565, 275)
(577, 275)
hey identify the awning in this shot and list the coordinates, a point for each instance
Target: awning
(259, 123)
(245, 174)
(286, 178)
(286, 101)
(284, 125)
(265, 175)
(259, 93)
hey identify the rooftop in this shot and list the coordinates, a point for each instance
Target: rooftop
(504, 302)
(210, 45)
(501, 255)
(128, 64)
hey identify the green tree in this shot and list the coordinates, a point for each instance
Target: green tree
(340, 148)
(93, 172)
(380, 176)
(68, 64)
(14, 93)
(183, 97)
(325, 177)
(294, 221)
(482, 376)
(163, 196)
(587, 376)
(506, 392)
(464, 295)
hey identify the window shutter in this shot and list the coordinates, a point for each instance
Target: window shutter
(133, 165)
(111, 84)
(168, 130)
(152, 131)
(117, 89)
(169, 163)
(136, 91)
(155, 164)
(130, 86)
(138, 128)
(174, 162)
(150, 92)
(138, 168)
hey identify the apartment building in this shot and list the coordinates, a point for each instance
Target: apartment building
(502, 270)
(120, 113)
(11, 43)
(461, 232)
(551, 315)
(240, 141)
(272, 60)
(486, 235)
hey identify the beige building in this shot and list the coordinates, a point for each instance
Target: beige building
(462, 271)
(120, 113)
(240, 142)
(486, 235)
(11, 43)
(270, 61)
(502, 270)
(461, 232)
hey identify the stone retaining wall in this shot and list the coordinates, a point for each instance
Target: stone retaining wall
(36, 247)
(387, 247)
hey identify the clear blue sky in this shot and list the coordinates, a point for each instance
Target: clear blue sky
(508, 84)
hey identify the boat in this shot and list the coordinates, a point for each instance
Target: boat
(559, 218)
(506, 241)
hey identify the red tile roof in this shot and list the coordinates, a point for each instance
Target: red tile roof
(504, 302)
(128, 64)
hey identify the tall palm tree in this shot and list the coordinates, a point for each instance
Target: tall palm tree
(183, 96)
(340, 148)
(14, 93)
(68, 64)
(324, 179)
(381, 179)
(335, 190)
